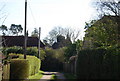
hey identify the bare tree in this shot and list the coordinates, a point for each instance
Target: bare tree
(73, 34)
(108, 7)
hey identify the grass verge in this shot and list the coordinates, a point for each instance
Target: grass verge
(36, 77)
(53, 78)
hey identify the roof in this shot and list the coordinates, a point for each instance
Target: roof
(9, 41)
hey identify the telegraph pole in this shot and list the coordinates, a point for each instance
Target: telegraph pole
(39, 41)
(25, 34)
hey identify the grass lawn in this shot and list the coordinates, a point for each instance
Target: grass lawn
(36, 77)
(69, 76)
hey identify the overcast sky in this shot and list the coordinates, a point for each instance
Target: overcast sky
(47, 14)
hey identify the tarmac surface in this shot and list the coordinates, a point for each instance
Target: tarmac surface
(48, 75)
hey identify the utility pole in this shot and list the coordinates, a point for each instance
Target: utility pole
(25, 34)
(39, 41)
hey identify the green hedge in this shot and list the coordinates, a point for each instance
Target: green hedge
(33, 51)
(19, 69)
(34, 63)
(98, 64)
(14, 49)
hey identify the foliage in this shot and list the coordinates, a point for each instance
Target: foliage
(14, 49)
(70, 33)
(30, 51)
(19, 69)
(103, 32)
(72, 49)
(54, 77)
(54, 59)
(61, 42)
(34, 62)
(35, 33)
(36, 77)
(15, 29)
(42, 54)
(108, 7)
(3, 28)
(102, 63)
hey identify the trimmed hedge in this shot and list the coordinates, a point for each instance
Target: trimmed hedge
(98, 64)
(34, 63)
(19, 69)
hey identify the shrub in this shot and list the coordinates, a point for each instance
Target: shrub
(14, 49)
(53, 60)
(19, 69)
(30, 51)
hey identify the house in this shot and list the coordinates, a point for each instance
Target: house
(9, 41)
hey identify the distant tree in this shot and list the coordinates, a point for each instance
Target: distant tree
(46, 43)
(35, 32)
(66, 32)
(3, 28)
(61, 42)
(16, 29)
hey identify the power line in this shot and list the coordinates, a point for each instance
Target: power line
(32, 13)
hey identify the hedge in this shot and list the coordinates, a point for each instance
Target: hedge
(34, 63)
(19, 69)
(98, 64)
(33, 51)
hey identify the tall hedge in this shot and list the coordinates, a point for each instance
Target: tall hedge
(98, 64)
(19, 69)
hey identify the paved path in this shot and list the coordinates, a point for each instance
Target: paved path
(48, 75)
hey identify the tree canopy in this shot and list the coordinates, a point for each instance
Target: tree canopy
(103, 32)
(70, 33)
(16, 29)
(3, 28)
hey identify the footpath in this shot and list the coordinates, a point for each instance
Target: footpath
(48, 75)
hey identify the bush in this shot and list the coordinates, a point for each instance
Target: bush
(53, 60)
(98, 64)
(19, 69)
(14, 49)
(30, 51)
